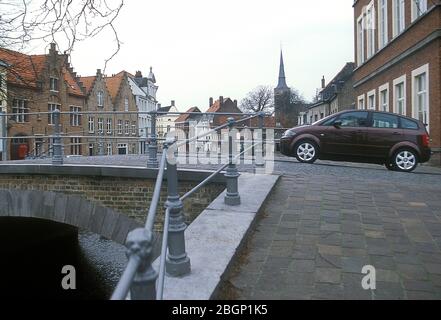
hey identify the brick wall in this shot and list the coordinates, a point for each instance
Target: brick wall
(126, 195)
(430, 54)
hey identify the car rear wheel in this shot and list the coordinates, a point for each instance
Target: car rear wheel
(306, 151)
(405, 160)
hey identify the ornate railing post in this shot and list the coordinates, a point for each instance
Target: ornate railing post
(258, 154)
(57, 156)
(140, 246)
(178, 263)
(232, 198)
(152, 162)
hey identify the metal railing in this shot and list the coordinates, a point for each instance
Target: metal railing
(149, 143)
(139, 277)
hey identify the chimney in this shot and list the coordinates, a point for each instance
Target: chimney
(235, 103)
(210, 102)
(173, 103)
(53, 48)
(159, 106)
(221, 100)
(323, 82)
(98, 72)
(138, 74)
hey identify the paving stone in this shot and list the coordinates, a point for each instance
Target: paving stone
(415, 285)
(383, 262)
(412, 272)
(302, 266)
(328, 291)
(388, 291)
(328, 275)
(328, 261)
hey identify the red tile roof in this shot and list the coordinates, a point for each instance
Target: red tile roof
(88, 83)
(22, 68)
(72, 84)
(114, 83)
(184, 117)
(25, 70)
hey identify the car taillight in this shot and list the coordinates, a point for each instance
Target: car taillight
(426, 140)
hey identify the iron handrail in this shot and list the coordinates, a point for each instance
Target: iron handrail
(156, 194)
(161, 277)
(123, 287)
(127, 113)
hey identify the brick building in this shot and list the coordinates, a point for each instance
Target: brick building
(398, 57)
(41, 83)
(123, 101)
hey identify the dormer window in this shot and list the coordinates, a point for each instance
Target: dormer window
(54, 84)
(100, 98)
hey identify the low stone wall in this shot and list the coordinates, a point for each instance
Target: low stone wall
(128, 195)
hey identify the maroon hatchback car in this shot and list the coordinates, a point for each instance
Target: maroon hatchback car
(398, 142)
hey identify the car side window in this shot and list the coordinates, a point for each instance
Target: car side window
(354, 119)
(381, 120)
(329, 122)
(409, 124)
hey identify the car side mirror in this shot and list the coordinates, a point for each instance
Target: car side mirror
(337, 124)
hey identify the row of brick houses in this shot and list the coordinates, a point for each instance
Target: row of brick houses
(43, 83)
(398, 59)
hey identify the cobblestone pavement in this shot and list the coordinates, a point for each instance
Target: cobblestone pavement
(324, 222)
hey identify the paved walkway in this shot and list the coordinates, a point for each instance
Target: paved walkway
(318, 231)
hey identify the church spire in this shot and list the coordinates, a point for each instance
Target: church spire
(282, 79)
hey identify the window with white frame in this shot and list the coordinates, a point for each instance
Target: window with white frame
(91, 124)
(75, 117)
(133, 128)
(51, 108)
(120, 127)
(20, 110)
(75, 146)
(398, 16)
(419, 7)
(420, 94)
(382, 24)
(400, 95)
(100, 98)
(109, 126)
(53, 84)
(100, 125)
(127, 127)
(370, 29)
(383, 100)
(371, 100)
(126, 104)
(361, 102)
(109, 149)
(360, 40)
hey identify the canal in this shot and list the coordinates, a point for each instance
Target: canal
(33, 254)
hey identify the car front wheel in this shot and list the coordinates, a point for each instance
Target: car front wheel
(405, 160)
(306, 151)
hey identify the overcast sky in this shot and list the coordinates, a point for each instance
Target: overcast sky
(205, 48)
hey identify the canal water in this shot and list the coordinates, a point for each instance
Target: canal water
(30, 271)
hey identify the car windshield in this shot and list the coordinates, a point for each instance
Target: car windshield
(325, 119)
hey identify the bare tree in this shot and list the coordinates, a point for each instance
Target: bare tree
(64, 22)
(260, 99)
(296, 97)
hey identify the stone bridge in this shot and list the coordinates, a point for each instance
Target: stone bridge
(109, 201)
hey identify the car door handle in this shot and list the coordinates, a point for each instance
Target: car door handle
(396, 133)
